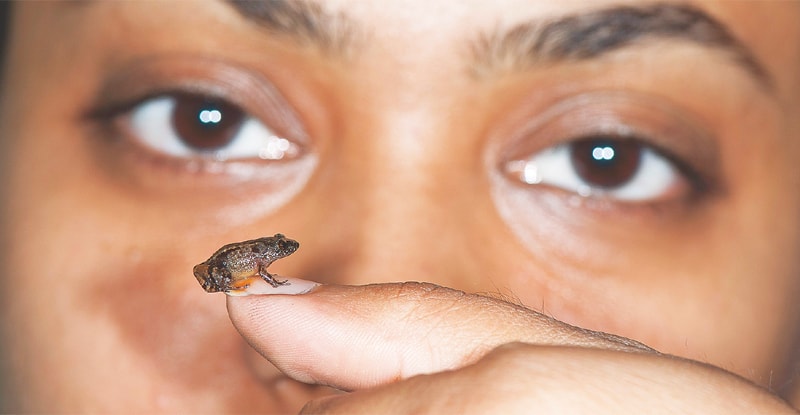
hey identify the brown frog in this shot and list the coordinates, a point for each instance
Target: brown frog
(233, 267)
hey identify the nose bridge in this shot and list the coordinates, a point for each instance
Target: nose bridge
(399, 205)
(401, 189)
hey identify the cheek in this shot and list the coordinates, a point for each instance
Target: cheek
(90, 293)
(721, 289)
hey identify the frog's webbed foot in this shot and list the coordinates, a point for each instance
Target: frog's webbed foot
(270, 278)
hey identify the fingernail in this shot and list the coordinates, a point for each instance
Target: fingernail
(261, 287)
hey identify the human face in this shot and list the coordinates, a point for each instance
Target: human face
(448, 142)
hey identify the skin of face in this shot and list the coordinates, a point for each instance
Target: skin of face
(404, 137)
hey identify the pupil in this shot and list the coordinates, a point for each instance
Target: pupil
(606, 162)
(206, 124)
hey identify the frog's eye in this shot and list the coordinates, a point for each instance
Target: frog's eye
(188, 126)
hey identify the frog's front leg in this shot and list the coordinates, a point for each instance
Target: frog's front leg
(262, 271)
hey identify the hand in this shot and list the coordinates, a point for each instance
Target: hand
(416, 347)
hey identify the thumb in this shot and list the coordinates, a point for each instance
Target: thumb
(353, 337)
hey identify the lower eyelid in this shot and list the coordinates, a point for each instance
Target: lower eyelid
(248, 88)
(266, 145)
(151, 124)
(654, 178)
(142, 164)
(660, 125)
(230, 192)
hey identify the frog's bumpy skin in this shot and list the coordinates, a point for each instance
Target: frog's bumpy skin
(233, 266)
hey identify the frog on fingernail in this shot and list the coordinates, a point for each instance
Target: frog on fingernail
(234, 266)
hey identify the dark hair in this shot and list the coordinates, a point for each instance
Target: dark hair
(5, 22)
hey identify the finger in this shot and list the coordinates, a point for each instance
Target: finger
(353, 337)
(523, 378)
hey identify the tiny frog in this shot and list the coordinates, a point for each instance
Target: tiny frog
(233, 267)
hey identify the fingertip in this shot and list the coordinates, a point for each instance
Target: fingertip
(291, 286)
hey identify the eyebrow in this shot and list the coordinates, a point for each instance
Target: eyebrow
(592, 34)
(577, 37)
(305, 22)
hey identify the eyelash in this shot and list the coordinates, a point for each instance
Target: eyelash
(115, 119)
(237, 88)
(579, 118)
(623, 169)
(204, 127)
(547, 154)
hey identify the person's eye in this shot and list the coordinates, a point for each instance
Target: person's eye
(197, 126)
(624, 149)
(623, 169)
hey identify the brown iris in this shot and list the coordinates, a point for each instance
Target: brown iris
(606, 162)
(206, 124)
